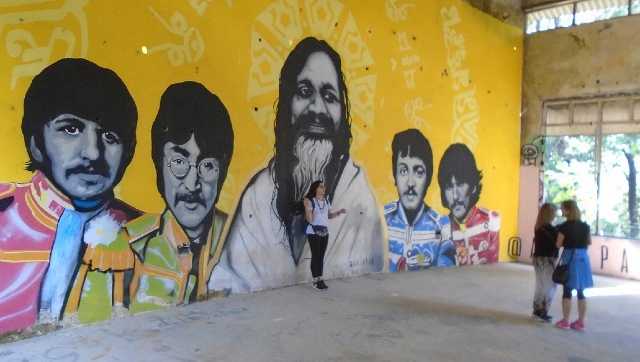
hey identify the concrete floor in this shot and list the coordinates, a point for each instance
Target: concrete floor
(469, 314)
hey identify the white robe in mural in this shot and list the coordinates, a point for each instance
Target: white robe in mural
(257, 254)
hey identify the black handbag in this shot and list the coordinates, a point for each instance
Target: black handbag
(320, 230)
(561, 272)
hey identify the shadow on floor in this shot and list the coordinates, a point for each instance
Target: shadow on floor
(454, 312)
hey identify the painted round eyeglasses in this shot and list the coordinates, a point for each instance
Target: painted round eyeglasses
(207, 168)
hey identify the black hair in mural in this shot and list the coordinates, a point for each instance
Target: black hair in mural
(412, 143)
(84, 89)
(287, 132)
(458, 161)
(186, 109)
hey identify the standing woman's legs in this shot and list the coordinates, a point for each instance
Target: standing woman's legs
(549, 285)
(316, 257)
(322, 248)
(582, 306)
(538, 296)
(566, 302)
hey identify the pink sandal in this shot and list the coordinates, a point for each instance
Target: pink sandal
(562, 324)
(577, 326)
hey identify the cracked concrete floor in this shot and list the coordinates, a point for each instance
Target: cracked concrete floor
(467, 314)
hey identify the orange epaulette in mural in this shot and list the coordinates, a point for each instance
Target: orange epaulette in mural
(6, 195)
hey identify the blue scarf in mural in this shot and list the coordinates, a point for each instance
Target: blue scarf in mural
(65, 256)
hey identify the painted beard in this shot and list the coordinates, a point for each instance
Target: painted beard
(313, 155)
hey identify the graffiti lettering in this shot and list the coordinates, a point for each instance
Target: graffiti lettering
(450, 16)
(409, 64)
(192, 46)
(200, 6)
(464, 129)
(21, 44)
(412, 108)
(34, 57)
(403, 41)
(604, 255)
(395, 12)
(409, 78)
(461, 79)
(515, 246)
(529, 154)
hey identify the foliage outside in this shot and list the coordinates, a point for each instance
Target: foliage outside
(570, 172)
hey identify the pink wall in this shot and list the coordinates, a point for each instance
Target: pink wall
(609, 256)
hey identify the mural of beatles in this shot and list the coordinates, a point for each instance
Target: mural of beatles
(266, 246)
(68, 248)
(58, 248)
(475, 231)
(192, 145)
(418, 236)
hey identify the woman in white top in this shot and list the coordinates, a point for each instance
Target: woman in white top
(317, 212)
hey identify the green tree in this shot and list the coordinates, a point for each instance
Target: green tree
(620, 151)
(570, 173)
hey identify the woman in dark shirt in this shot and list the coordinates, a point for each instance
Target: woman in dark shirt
(544, 260)
(575, 236)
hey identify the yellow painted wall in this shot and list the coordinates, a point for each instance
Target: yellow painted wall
(232, 48)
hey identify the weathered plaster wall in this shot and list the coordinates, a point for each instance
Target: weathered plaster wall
(531, 3)
(594, 59)
(509, 11)
(597, 58)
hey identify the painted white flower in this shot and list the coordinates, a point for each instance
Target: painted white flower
(103, 229)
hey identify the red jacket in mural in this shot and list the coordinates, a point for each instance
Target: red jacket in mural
(477, 241)
(29, 213)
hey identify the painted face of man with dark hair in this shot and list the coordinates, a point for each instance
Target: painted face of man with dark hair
(190, 184)
(316, 114)
(82, 157)
(458, 195)
(316, 101)
(411, 181)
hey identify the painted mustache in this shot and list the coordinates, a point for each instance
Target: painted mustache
(93, 168)
(190, 198)
(315, 123)
(411, 192)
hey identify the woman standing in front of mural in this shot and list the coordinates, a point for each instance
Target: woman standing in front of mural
(544, 259)
(575, 236)
(317, 212)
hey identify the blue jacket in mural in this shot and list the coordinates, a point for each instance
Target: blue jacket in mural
(425, 243)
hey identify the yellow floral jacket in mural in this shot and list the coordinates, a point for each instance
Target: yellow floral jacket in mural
(164, 263)
(99, 287)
